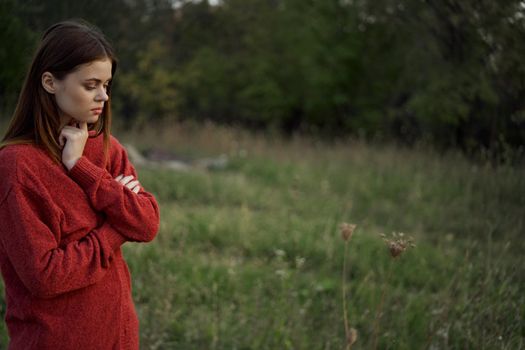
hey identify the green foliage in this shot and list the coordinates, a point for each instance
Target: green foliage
(150, 88)
(15, 49)
(443, 71)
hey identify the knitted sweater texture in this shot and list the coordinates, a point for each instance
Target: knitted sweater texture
(67, 285)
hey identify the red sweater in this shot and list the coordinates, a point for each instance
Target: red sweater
(67, 285)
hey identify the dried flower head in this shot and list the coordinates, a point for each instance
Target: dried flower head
(397, 244)
(347, 230)
(352, 337)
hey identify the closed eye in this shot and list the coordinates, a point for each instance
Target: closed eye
(94, 87)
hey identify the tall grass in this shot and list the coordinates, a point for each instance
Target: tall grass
(250, 257)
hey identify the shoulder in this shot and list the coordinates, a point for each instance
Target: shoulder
(16, 160)
(115, 144)
(21, 164)
(117, 153)
(97, 141)
(95, 147)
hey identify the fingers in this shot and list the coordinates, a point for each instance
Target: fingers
(133, 185)
(71, 130)
(126, 179)
(70, 133)
(72, 141)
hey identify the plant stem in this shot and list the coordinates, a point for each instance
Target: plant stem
(380, 307)
(345, 314)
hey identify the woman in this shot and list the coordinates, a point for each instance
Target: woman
(69, 198)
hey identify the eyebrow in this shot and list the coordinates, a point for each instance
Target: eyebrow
(97, 80)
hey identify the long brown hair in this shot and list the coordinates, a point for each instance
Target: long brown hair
(63, 47)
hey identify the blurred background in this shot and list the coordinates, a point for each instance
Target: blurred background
(263, 125)
(444, 72)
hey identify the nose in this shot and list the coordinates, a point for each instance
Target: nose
(102, 95)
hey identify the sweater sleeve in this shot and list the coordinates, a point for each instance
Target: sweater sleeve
(134, 215)
(44, 267)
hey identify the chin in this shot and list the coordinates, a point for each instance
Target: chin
(92, 119)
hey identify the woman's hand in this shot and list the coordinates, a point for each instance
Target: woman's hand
(133, 185)
(72, 139)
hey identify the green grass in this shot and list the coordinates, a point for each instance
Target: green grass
(250, 257)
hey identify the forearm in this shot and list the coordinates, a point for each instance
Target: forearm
(77, 265)
(134, 215)
(45, 268)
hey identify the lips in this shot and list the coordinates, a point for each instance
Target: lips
(96, 110)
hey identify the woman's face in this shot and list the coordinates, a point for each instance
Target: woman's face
(83, 90)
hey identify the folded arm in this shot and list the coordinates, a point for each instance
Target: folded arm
(134, 215)
(45, 268)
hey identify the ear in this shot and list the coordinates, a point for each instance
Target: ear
(49, 82)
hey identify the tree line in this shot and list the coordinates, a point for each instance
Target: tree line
(444, 71)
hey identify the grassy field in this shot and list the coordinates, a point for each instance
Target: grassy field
(251, 257)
